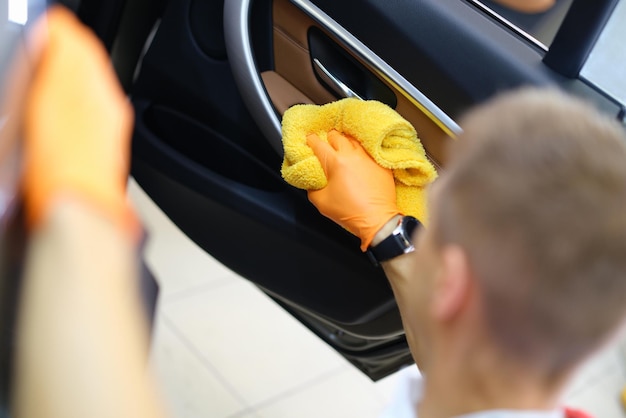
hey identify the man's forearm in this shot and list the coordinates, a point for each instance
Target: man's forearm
(400, 271)
(82, 339)
(397, 272)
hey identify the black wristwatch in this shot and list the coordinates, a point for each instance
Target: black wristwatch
(398, 243)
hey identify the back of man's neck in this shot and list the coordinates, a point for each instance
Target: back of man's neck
(452, 390)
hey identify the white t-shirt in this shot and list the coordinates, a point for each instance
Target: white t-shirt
(409, 392)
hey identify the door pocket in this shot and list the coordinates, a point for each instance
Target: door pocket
(210, 149)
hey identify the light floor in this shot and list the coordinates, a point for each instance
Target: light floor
(224, 349)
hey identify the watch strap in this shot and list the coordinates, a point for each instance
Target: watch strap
(396, 244)
(387, 249)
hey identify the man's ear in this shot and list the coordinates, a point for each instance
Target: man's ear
(453, 284)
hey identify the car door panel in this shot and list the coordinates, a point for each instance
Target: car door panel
(225, 192)
(451, 50)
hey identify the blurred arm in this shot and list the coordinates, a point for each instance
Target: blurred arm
(83, 341)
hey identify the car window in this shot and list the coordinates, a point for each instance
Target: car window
(605, 66)
(540, 26)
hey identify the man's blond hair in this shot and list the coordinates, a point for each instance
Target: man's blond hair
(536, 195)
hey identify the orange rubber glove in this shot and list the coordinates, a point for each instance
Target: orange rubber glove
(77, 125)
(360, 195)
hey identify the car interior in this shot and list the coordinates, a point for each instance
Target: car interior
(210, 79)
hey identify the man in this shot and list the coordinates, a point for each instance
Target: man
(521, 274)
(513, 284)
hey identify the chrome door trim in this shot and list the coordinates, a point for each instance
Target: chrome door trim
(338, 86)
(381, 68)
(509, 25)
(247, 77)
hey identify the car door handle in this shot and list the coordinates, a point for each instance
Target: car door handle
(333, 82)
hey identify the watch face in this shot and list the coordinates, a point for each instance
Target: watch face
(409, 224)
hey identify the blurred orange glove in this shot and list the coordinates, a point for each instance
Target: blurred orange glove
(528, 6)
(360, 195)
(77, 124)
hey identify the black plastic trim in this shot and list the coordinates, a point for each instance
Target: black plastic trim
(577, 36)
(376, 358)
(13, 243)
(103, 17)
(261, 34)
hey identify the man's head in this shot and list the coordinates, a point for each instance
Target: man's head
(534, 196)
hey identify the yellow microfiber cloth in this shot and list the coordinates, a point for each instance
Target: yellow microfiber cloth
(384, 134)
